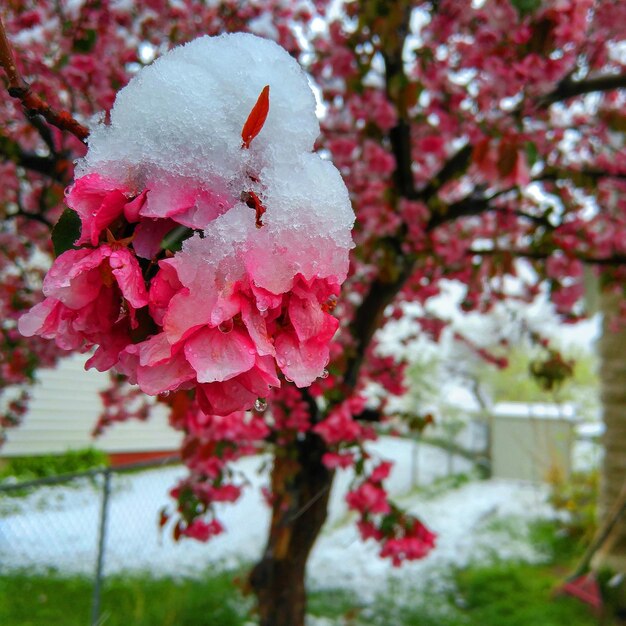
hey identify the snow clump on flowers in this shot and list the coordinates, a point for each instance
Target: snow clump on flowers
(213, 239)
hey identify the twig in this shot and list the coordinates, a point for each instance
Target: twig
(32, 103)
(602, 535)
(305, 507)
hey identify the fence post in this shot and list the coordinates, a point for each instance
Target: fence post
(415, 461)
(106, 491)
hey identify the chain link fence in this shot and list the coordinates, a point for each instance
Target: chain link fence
(89, 523)
(105, 521)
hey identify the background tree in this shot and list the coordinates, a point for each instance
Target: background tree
(470, 134)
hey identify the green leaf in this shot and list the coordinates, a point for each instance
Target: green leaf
(532, 154)
(526, 6)
(173, 241)
(65, 232)
(86, 42)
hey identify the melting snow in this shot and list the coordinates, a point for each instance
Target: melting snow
(57, 527)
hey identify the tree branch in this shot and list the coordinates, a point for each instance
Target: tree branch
(578, 177)
(615, 259)
(457, 164)
(369, 316)
(568, 88)
(464, 208)
(32, 103)
(50, 166)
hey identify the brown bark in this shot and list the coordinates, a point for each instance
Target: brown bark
(301, 487)
(612, 349)
(610, 558)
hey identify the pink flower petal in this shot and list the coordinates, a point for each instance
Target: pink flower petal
(98, 202)
(301, 362)
(162, 288)
(186, 312)
(167, 376)
(149, 236)
(35, 321)
(306, 316)
(129, 278)
(218, 356)
(107, 355)
(153, 351)
(257, 328)
(225, 397)
(133, 208)
(74, 278)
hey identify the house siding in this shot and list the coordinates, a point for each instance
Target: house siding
(64, 409)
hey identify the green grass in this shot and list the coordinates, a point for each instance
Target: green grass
(505, 594)
(498, 594)
(517, 595)
(49, 599)
(33, 467)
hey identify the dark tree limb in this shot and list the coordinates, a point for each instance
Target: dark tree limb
(537, 255)
(456, 165)
(36, 217)
(51, 166)
(369, 317)
(569, 88)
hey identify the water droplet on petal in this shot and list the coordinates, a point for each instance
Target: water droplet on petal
(164, 394)
(289, 380)
(260, 404)
(324, 374)
(226, 326)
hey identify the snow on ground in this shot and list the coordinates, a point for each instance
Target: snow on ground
(57, 527)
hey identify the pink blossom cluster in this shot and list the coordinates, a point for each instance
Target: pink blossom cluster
(342, 432)
(123, 294)
(211, 444)
(402, 536)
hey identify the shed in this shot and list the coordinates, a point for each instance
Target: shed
(532, 441)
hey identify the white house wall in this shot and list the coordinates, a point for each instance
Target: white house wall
(65, 407)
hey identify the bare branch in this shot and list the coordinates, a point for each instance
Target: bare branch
(613, 260)
(456, 165)
(51, 166)
(32, 103)
(569, 88)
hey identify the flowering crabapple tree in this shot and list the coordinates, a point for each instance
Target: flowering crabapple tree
(203, 244)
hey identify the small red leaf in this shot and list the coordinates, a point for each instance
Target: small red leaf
(257, 118)
(177, 531)
(254, 202)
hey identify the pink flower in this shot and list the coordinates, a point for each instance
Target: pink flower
(381, 471)
(408, 548)
(234, 339)
(377, 159)
(201, 530)
(98, 202)
(340, 426)
(368, 498)
(334, 461)
(92, 296)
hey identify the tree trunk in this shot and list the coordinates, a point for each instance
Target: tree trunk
(301, 487)
(611, 557)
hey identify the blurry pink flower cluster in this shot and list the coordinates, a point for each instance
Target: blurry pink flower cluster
(402, 536)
